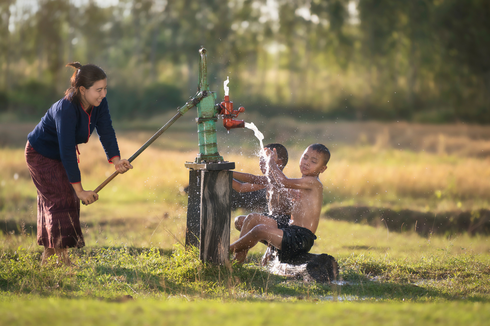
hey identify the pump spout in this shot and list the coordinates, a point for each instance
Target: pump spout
(229, 123)
(225, 108)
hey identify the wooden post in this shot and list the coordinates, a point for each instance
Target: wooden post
(193, 231)
(215, 216)
(209, 211)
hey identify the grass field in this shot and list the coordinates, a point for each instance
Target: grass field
(134, 270)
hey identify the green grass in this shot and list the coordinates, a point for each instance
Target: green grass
(402, 267)
(150, 286)
(211, 312)
(135, 271)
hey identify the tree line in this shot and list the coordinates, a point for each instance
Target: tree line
(417, 60)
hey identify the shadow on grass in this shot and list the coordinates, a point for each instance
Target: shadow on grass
(133, 251)
(182, 273)
(424, 223)
(368, 289)
(119, 273)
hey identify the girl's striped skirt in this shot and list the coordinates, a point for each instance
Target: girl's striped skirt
(58, 207)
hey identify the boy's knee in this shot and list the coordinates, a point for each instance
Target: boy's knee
(252, 216)
(239, 222)
(246, 219)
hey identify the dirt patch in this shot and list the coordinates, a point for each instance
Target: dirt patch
(424, 223)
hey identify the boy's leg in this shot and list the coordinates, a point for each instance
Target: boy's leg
(239, 222)
(250, 222)
(254, 219)
(266, 232)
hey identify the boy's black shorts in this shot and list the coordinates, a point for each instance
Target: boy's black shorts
(282, 220)
(295, 240)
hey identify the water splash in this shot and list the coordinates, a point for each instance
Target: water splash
(260, 137)
(257, 133)
(225, 85)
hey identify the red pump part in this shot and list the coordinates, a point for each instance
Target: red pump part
(226, 110)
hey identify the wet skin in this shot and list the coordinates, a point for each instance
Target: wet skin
(305, 213)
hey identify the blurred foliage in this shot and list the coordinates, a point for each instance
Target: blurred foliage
(418, 60)
(128, 103)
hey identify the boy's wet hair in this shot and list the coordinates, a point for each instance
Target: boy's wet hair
(282, 152)
(322, 149)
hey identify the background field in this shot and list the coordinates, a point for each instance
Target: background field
(406, 205)
(382, 178)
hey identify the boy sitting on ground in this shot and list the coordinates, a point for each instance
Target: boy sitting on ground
(297, 236)
(279, 199)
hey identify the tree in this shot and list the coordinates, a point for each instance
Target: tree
(50, 19)
(464, 31)
(5, 41)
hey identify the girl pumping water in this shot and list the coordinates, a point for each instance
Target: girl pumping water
(52, 158)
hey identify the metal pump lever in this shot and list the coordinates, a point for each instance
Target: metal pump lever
(181, 111)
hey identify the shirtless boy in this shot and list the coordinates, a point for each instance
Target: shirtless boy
(280, 200)
(299, 235)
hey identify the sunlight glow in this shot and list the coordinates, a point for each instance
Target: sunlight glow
(353, 13)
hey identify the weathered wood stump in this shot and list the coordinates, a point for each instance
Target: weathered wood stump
(253, 201)
(322, 268)
(209, 211)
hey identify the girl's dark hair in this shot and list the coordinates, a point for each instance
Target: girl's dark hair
(85, 76)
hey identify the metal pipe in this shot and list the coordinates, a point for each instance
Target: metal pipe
(206, 117)
(181, 111)
(203, 71)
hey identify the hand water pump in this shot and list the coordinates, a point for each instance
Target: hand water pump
(210, 178)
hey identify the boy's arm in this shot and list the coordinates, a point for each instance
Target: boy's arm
(245, 187)
(250, 178)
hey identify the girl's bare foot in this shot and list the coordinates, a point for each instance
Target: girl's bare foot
(63, 256)
(48, 252)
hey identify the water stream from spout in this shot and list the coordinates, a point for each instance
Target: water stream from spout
(257, 134)
(262, 155)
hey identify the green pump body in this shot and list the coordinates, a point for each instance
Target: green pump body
(207, 115)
